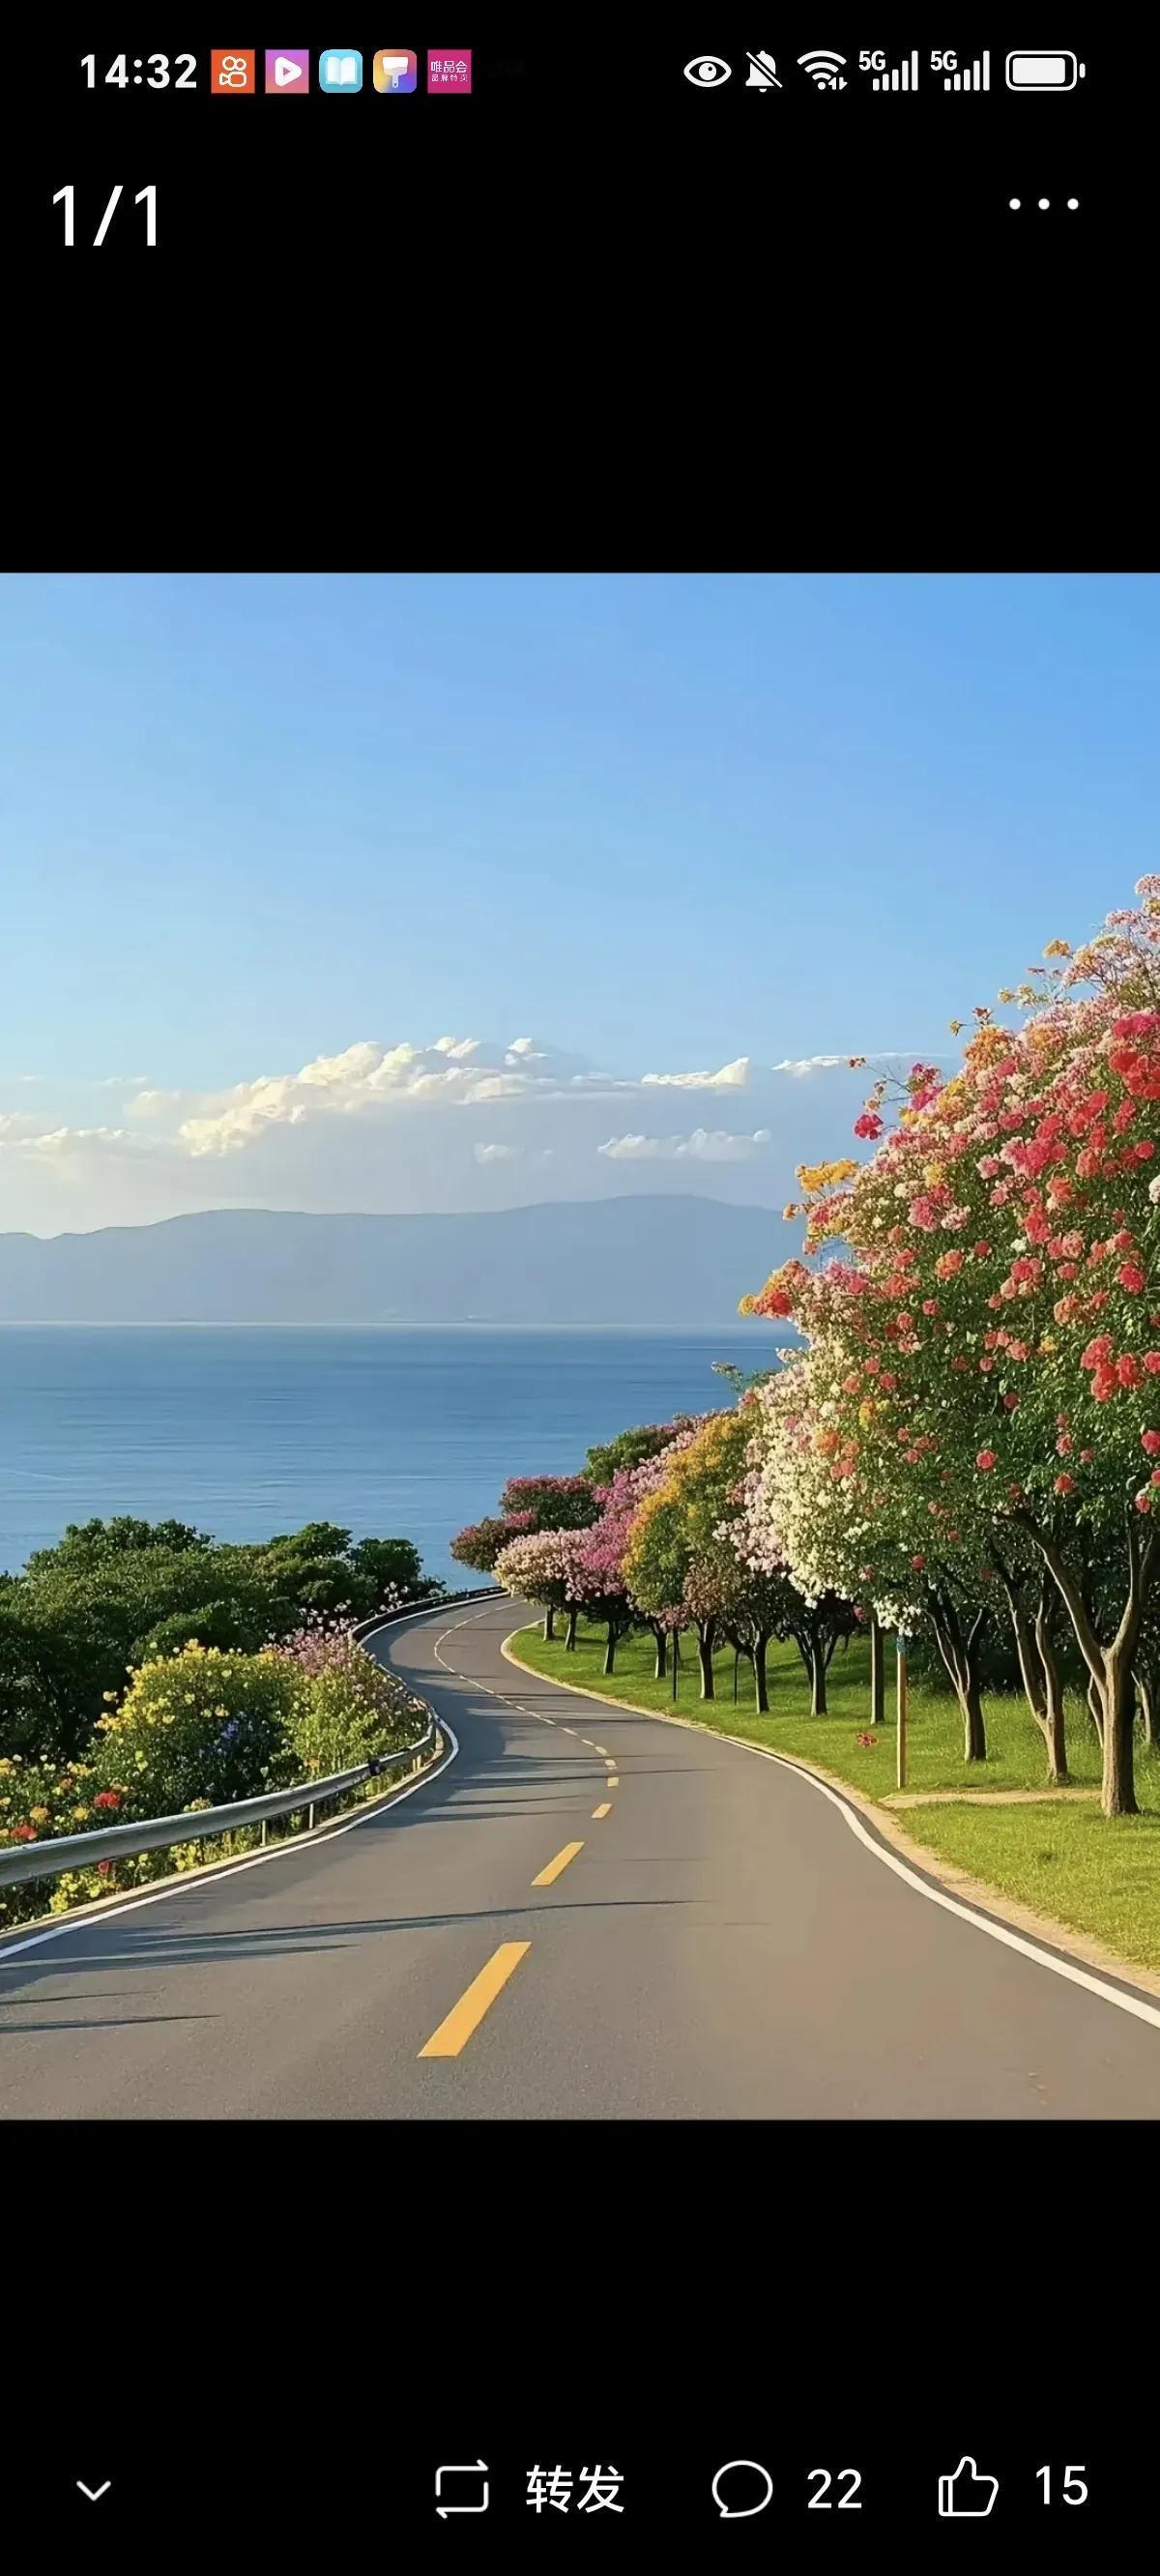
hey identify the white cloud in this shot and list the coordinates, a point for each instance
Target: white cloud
(81, 1143)
(731, 1077)
(705, 1145)
(79, 1082)
(457, 1123)
(809, 1063)
(461, 1072)
(825, 1063)
(17, 1125)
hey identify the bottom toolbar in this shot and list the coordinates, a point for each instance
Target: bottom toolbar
(748, 2485)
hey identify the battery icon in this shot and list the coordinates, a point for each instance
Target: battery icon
(1043, 71)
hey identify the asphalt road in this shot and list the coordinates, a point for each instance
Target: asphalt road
(586, 1914)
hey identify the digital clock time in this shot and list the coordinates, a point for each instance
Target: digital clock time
(153, 71)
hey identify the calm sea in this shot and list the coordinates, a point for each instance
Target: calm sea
(245, 1430)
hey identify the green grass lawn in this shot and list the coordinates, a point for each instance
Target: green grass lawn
(1071, 1862)
(1065, 1859)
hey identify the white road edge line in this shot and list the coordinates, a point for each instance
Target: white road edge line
(232, 1869)
(1011, 1940)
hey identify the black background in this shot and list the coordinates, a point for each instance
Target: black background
(587, 317)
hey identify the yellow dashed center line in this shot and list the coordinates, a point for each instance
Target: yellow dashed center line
(545, 1877)
(465, 2016)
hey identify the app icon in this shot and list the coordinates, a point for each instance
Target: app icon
(340, 71)
(449, 72)
(233, 75)
(288, 72)
(396, 71)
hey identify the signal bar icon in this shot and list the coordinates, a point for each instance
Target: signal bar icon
(902, 77)
(978, 76)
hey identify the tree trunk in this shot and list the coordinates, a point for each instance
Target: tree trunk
(1111, 1690)
(819, 1704)
(1041, 1682)
(549, 1623)
(1054, 1736)
(877, 1678)
(661, 1664)
(1146, 1695)
(1094, 1708)
(1118, 1796)
(610, 1646)
(705, 1658)
(760, 1682)
(570, 1637)
(958, 1653)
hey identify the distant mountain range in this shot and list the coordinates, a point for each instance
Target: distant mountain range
(663, 1260)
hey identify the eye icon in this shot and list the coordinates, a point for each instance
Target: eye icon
(707, 71)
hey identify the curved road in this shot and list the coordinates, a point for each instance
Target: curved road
(585, 1914)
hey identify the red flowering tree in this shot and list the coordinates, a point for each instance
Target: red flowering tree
(549, 1502)
(997, 1318)
(528, 1504)
(479, 1544)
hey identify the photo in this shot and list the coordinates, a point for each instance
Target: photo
(580, 1349)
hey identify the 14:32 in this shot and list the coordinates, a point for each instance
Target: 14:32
(157, 76)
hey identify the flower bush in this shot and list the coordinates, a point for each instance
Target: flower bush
(195, 1730)
(351, 1710)
(40, 1802)
(205, 1724)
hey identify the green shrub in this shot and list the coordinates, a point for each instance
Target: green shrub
(206, 1723)
(351, 1709)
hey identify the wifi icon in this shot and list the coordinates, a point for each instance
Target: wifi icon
(824, 68)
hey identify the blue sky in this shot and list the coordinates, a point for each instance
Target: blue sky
(659, 824)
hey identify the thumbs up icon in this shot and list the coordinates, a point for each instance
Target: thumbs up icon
(967, 2497)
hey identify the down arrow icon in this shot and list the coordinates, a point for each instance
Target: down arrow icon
(94, 2494)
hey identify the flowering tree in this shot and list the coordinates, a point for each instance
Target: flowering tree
(685, 1560)
(606, 1543)
(549, 1502)
(479, 1544)
(826, 1495)
(543, 1566)
(670, 1579)
(996, 1315)
(634, 1448)
(528, 1505)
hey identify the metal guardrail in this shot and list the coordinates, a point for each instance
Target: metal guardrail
(198, 1824)
(412, 1609)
